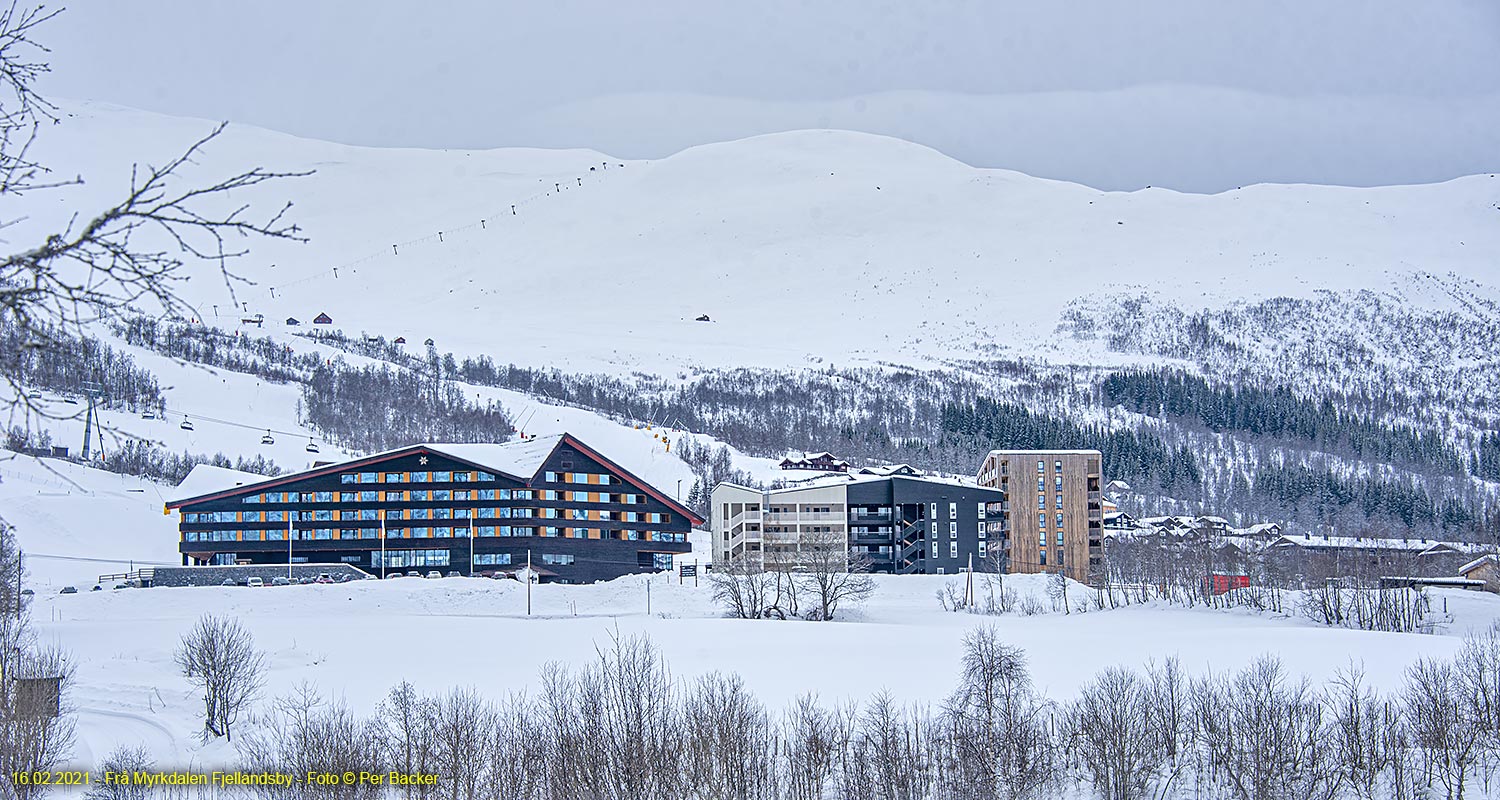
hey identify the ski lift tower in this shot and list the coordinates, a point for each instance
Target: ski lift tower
(94, 392)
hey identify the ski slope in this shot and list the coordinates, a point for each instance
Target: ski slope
(804, 248)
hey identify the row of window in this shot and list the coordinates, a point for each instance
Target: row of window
(936, 529)
(1041, 520)
(1042, 538)
(415, 477)
(594, 478)
(410, 558)
(373, 514)
(393, 496)
(1041, 483)
(432, 532)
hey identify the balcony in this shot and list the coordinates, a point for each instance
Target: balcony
(861, 515)
(792, 518)
(871, 537)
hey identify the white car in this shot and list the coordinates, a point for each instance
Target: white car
(256, 581)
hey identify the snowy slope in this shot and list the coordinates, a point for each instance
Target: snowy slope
(804, 247)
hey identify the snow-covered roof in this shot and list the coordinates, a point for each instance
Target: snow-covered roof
(521, 458)
(1368, 543)
(1476, 563)
(206, 479)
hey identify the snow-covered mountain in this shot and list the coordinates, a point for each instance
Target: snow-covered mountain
(804, 248)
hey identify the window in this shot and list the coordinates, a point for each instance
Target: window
(1041, 522)
(487, 513)
(442, 532)
(953, 530)
(491, 559)
(367, 477)
(461, 477)
(307, 497)
(347, 477)
(485, 530)
(442, 477)
(322, 514)
(1058, 483)
(368, 514)
(442, 513)
(1059, 520)
(421, 495)
(953, 511)
(419, 477)
(953, 549)
(932, 511)
(461, 495)
(550, 477)
(420, 513)
(983, 546)
(548, 531)
(369, 496)
(1041, 538)
(982, 532)
(1059, 538)
(521, 494)
(557, 559)
(549, 494)
(393, 477)
(275, 516)
(1058, 501)
(486, 494)
(1041, 484)
(349, 533)
(442, 494)
(484, 476)
(410, 558)
(254, 498)
(1041, 501)
(1041, 466)
(348, 497)
(1044, 558)
(979, 510)
(1059, 467)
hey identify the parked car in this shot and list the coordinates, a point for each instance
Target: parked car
(342, 577)
(69, 590)
(256, 582)
(393, 576)
(453, 573)
(27, 592)
(434, 574)
(411, 573)
(323, 577)
(120, 586)
(97, 588)
(306, 579)
(281, 581)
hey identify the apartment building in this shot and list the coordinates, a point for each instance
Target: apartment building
(1062, 530)
(904, 524)
(472, 508)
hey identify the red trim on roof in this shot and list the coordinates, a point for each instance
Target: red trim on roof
(634, 481)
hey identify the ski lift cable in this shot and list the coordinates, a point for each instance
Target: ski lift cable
(231, 423)
(326, 272)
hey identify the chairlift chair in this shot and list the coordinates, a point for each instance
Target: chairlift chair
(267, 439)
(312, 447)
(186, 425)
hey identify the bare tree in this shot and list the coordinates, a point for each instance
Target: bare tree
(744, 588)
(1443, 725)
(122, 760)
(219, 656)
(1110, 731)
(1263, 735)
(832, 574)
(305, 734)
(129, 258)
(813, 740)
(36, 721)
(995, 730)
(730, 743)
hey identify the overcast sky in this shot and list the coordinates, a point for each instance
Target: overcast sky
(602, 73)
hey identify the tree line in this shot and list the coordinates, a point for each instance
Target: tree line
(1276, 412)
(622, 726)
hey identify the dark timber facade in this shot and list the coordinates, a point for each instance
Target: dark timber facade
(902, 524)
(427, 507)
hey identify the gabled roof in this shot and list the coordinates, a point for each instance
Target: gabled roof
(1477, 563)
(521, 460)
(207, 479)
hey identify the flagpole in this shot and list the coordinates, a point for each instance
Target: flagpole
(528, 581)
(290, 516)
(382, 544)
(471, 543)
